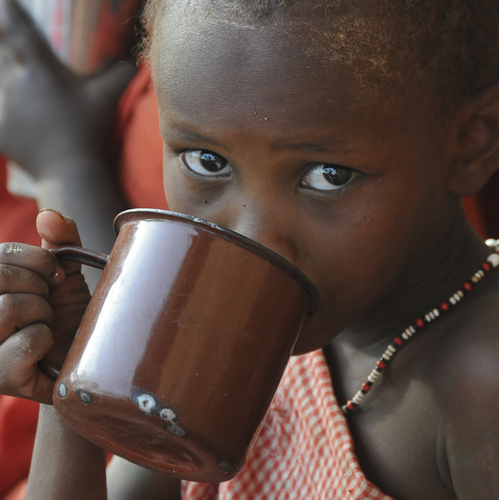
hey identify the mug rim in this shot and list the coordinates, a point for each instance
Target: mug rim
(229, 235)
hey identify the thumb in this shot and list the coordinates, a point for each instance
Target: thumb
(56, 230)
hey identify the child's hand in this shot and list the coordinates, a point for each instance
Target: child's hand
(41, 305)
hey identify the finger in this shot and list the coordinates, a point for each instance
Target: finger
(24, 281)
(10, 60)
(15, 20)
(19, 358)
(33, 259)
(9, 56)
(19, 310)
(111, 80)
(57, 230)
(22, 33)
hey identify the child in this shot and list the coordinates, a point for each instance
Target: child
(341, 135)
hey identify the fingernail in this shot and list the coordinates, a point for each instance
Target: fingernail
(67, 219)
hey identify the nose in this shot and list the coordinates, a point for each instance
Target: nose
(269, 225)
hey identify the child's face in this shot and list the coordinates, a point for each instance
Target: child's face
(266, 139)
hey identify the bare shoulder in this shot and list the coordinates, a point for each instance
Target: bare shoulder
(469, 348)
(467, 391)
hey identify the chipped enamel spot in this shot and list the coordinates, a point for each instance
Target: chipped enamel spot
(168, 414)
(84, 396)
(176, 430)
(62, 390)
(146, 402)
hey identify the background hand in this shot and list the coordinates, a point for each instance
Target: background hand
(48, 115)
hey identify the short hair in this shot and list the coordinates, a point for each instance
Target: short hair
(450, 45)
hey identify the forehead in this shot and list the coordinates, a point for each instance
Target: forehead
(203, 52)
(272, 69)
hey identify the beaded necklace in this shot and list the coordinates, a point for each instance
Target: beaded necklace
(402, 339)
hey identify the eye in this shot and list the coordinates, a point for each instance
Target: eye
(328, 177)
(206, 163)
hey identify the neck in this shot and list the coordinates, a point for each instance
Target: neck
(453, 260)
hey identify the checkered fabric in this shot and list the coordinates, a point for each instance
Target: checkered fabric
(304, 451)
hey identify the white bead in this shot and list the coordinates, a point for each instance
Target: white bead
(493, 259)
(390, 350)
(357, 399)
(432, 315)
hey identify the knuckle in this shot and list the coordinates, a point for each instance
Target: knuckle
(14, 279)
(32, 344)
(28, 258)
(19, 309)
(7, 276)
(9, 302)
(19, 358)
(26, 344)
(10, 250)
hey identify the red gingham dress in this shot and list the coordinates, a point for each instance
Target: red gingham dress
(304, 451)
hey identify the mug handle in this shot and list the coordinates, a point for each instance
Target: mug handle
(83, 256)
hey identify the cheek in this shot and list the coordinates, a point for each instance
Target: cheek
(182, 198)
(172, 189)
(364, 257)
(178, 194)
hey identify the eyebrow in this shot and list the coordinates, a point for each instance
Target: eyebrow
(328, 145)
(180, 133)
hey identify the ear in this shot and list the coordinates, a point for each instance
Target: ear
(475, 132)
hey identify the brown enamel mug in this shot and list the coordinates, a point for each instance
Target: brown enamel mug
(183, 344)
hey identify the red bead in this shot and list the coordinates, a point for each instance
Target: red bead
(485, 266)
(366, 386)
(444, 306)
(467, 286)
(380, 364)
(350, 405)
(420, 322)
(398, 341)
